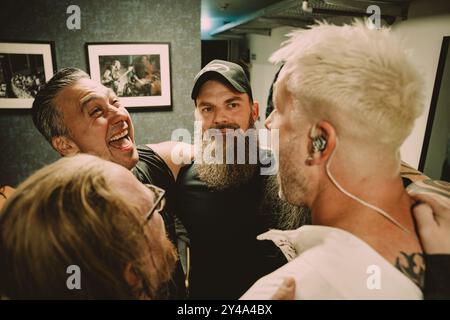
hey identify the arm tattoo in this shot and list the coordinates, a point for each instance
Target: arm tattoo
(413, 266)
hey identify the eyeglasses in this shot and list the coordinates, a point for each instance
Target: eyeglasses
(159, 204)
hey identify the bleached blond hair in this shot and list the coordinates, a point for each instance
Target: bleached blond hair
(359, 79)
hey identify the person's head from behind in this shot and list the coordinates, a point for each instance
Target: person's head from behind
(344, 89)
(86, 212)
(223, 101)
(78, 115)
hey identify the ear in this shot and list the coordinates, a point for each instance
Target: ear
(130, 276)
(65, 146)
(255, 110)
(327, 131)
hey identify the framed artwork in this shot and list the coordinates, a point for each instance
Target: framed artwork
(24, 69)
(139, 73)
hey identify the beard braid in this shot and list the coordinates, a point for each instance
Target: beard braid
(220, 176)
(288, 216)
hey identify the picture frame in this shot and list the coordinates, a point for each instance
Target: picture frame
(139, 73)
(25, 66)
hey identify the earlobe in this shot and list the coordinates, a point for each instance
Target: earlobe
(65, 146)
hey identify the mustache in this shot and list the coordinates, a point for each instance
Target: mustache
(233, 126)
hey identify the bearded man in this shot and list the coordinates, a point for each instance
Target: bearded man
(225, 203)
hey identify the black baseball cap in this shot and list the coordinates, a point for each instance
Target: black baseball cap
(232, 73)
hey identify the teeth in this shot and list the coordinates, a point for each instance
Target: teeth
(119, 136)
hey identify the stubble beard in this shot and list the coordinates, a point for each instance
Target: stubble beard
(293, 184)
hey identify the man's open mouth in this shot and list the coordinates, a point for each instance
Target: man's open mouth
(121, 140)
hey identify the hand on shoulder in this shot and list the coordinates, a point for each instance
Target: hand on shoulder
(432, 215)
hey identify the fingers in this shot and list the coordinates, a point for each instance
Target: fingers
(437, 203)
(432, 216)
(423, 214)
(286, 291)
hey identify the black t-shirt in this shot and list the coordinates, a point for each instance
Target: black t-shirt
(437, 276)
(151, 169)
(226, 258)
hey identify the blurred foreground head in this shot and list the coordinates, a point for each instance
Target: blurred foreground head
(90, 213)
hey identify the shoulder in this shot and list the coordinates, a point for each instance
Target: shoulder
(416, 181)
(308, 282)
(326, 268)
(151, 168)
(5, 193)
(174, 154)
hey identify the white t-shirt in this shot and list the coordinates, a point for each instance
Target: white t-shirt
(330, 263)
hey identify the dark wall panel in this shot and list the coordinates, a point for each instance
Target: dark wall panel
(22, 149)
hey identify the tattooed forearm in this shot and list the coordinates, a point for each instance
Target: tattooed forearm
(413, 266)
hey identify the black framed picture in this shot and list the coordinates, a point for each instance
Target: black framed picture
(24, 69)
(139, 73)
(435, 156)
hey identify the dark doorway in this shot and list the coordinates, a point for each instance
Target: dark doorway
(214, 49)
(231, 50)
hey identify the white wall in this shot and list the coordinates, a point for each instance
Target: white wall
(422, 34)
(262, 72)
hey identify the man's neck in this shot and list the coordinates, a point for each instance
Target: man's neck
(402, 249)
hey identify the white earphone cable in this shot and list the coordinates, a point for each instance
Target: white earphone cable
(348, 194)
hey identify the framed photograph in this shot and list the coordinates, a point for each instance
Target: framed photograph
(139, 73)
(24, 69)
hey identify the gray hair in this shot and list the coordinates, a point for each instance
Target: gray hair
(47, 117)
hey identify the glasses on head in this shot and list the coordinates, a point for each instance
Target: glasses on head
(158, 205)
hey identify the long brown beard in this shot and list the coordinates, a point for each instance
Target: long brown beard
(222, 176)
(287, 216)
